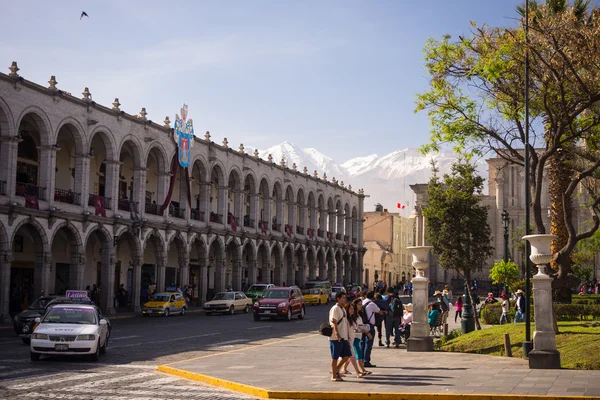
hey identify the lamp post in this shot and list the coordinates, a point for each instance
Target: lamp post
(505, 224)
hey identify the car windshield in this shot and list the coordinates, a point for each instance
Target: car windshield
(313, 285)
(64, 315)
(257, 288)
(314, 291)
(163, 298)
(223, 296)
(39, 304)
(276, 294)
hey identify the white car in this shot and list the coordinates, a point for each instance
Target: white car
(70, 329)
(228, 302)
(334, 291)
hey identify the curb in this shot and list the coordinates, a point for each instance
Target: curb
(312, 395)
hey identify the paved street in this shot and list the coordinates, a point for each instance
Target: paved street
(137, 346)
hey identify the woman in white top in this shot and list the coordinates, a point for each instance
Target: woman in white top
(356, 329)
(407, 320)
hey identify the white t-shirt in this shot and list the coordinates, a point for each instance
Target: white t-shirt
(357, 329)
(505, 306)
(337, 313)
(370, 310)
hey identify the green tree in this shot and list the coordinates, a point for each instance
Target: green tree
(456, 222)
(505, 272)
(476, 103)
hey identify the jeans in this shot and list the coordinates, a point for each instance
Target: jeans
(366, 345)
(519, 316)
(504, 318)
(392, 324)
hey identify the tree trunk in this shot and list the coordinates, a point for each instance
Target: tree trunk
(559, 178)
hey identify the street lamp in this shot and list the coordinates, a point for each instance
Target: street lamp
(505, 223)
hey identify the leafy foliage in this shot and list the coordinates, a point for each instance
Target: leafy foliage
(504, 272)
(456, 221)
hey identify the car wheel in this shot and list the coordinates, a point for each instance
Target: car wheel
(256, 317)
(231, 310)
(289, 314)
(96, 356)
(34, 356)
(182, 311)
(301, 315)
(104, 347)
(26, 340)
(247, 308)
(167, 312)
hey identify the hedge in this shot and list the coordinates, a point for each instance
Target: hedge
(586, 299)
(490, 314)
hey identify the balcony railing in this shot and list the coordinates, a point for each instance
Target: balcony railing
(320, 233)
(2, 188)
(66, 196)
(276, 227)
(123, 204)
(262, 225)
(248, 222)
(338, 236)
(354, 241)
(23, 189)
(176, 211)
(152, 208)
(197, 215)
(310, 232)
(299, 230)
(218, 218)
(92, 201)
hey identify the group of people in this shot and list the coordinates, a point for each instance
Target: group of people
(354, 327)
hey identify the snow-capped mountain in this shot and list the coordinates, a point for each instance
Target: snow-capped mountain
(386, 179)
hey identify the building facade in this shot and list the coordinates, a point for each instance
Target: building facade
(386, 237)
(92, 195)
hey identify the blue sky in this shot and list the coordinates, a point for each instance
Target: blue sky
(340, 76)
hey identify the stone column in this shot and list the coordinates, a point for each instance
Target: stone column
(544, 354)
(220, 273)
(160, 275)
(223, 204)
(5, 263)
(82, 178)
(266, 271)
(267, 214)
(301, 272)
(252, 269)
(111, 186)
(139, 189)
(47, 171)
(236, 277)
(44, 266)
(291, 272)
(108, 280)
(137, 283)
(203, 281)
(312, 269)
(8, 163)
(184, 271)
(420, 340)
(340, 270)
(79, 265)
(322, 270)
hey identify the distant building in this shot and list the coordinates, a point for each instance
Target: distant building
(386, 236)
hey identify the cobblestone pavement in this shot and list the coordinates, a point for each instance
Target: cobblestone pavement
(137, 346)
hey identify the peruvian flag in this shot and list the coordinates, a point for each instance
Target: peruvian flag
(99, 206)
(232, 223)
(401, 206)
(31, 201)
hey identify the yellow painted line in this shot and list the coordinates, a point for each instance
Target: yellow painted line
(242, 349)
(310, 395)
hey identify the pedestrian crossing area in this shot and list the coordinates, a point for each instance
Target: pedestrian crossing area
(21, 379)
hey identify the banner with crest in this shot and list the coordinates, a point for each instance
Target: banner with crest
(184, 137)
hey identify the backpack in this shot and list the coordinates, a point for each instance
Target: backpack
(444, 305)
(326, 329)
(396, 308)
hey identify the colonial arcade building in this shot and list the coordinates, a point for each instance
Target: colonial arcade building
(91, 195)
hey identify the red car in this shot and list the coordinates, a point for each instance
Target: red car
(280, 302)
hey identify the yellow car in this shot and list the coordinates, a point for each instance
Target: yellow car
(316, 296)
(165, 304)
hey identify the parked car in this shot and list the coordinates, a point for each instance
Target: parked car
(70, 300)
(24, 322)
(228, 302)
(317, 285)
(335, 290)
(316, 297)
(257, 290)
(165, 304)
(280, 302)
(70, 329)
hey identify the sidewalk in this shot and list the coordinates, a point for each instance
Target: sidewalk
(298, 368)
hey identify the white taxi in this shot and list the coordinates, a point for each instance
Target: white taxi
(70, 329)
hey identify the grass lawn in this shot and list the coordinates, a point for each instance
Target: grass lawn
(577, 342)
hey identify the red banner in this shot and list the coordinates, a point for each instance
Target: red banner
(288, 230)
(261, 225)
(31, 201)
(99, 206)
(232, 222)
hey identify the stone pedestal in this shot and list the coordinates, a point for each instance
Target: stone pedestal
(544, 354)
(420, 340)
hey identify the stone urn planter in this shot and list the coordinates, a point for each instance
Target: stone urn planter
(420, 340)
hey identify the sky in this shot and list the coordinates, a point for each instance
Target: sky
(337, 75)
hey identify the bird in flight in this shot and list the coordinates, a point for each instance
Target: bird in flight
(83, 14)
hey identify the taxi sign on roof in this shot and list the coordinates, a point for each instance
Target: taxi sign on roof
(77, 294)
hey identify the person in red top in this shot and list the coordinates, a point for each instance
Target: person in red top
(459, 306)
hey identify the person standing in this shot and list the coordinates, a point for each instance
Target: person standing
(458, 306)
(521, 306)
(339, 344)
(393, 319)
(504, 318)
(366, 344)
(380, 320)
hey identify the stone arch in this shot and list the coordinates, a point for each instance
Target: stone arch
(199, 177)
(322, 211)
(354, 225)
(75, 240)
(216, 266)
(233, 268)
(311, 260)
(37, 229)
(107, 137)
(217, 200)
(42, 123)
(331, 216)
(289, 270)
(161, 156)
(180, 242)
(68, 272)
(158, 242)
(4, 244)
(234, 196)
(249, 263)
(134, 147)
(347, 221)
(264, 206)
(289, 208)
(76, 131)
(277, 262)
(339, 216)
(339, 265)
(7, 123)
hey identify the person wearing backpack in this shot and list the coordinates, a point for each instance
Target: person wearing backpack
(394, 318)
(443, 305)
(370, 309)
(339, 340)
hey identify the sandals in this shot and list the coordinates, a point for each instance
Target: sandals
(367, 373)
(344, 372)
(360, 375)
(337, 379)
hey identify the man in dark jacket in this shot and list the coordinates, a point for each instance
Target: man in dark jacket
(384, 306)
